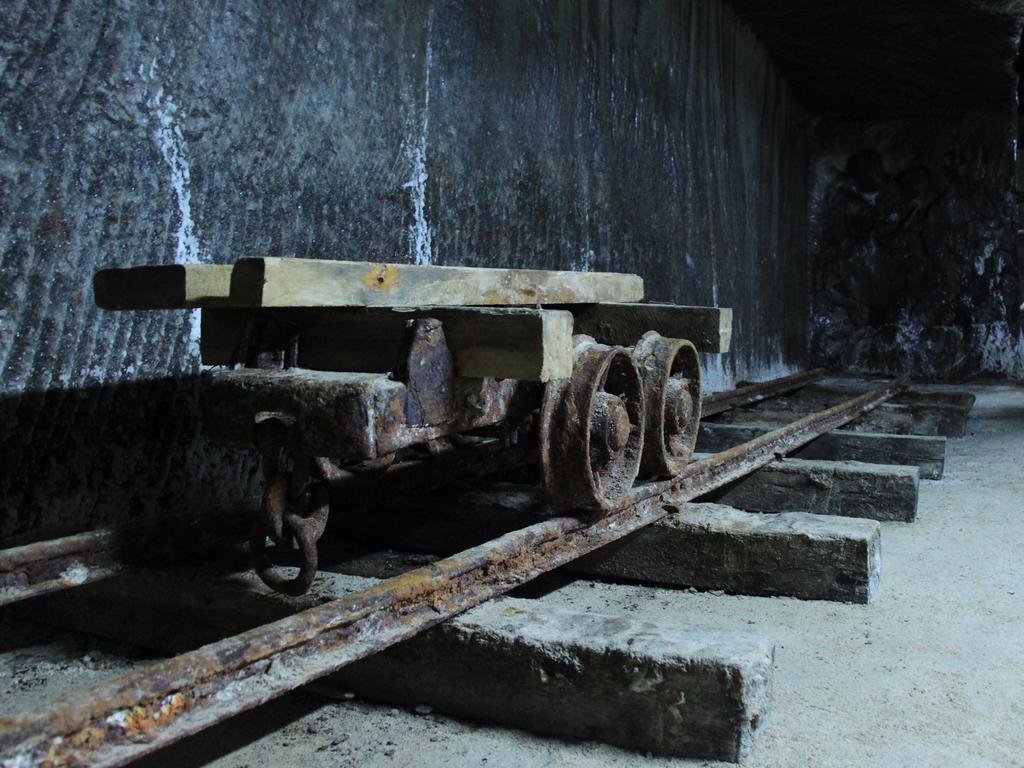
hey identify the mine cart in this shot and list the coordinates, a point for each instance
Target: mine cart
(341, 371)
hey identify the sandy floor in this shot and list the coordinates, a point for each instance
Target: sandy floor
(931, 674)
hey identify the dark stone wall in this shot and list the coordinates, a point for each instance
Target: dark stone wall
(883, 59)
(653, 137)
(913, 226)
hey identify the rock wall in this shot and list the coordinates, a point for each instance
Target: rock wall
(651, 137)
(912, 235)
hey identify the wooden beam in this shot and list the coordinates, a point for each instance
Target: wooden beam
(347, 415)
(275, 282)
(927, 453)
(944, 413)
(709, 329)
(169, 286)
(486, 342)
(837, 388)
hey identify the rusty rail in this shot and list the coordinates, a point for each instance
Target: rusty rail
(140, 712)
(72, 561)
(717, 402)
(48, 566)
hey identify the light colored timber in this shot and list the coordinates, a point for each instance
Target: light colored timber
(709, 329)
(486, 342)
(170, 286)
(276, 282)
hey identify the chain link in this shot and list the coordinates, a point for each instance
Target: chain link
(295, 508)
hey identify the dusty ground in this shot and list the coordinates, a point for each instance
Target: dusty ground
(931, 674)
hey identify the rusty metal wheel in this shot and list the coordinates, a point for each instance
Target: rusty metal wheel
(591, 429)
(671, 375)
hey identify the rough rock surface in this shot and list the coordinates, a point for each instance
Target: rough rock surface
(887, 58)
(912, 206)
(913, 239)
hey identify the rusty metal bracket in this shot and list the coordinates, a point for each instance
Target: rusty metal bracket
(428, 372)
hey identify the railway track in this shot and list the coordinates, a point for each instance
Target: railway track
(139, 713)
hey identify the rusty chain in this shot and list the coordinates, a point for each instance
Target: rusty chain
(295, 505)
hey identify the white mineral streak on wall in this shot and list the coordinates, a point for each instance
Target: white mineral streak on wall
(420, 246)
(981, 258)
(586, 258)
(1001, 351)
(713, 374)
(174, 151)
(716, 376)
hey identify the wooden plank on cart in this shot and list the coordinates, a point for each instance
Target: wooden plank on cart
(276, 282)
(167, 286)
(485, 342)
(708, 328)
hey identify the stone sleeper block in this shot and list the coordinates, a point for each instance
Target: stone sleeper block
(712, 546)
(846, 488)
(887, 418)
(652, 687)
(927, 453)
(660, 688)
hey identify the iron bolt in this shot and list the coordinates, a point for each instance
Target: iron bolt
(678, 406)
(611, 421)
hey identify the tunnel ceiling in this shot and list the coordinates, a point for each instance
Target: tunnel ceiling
(884, 58)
